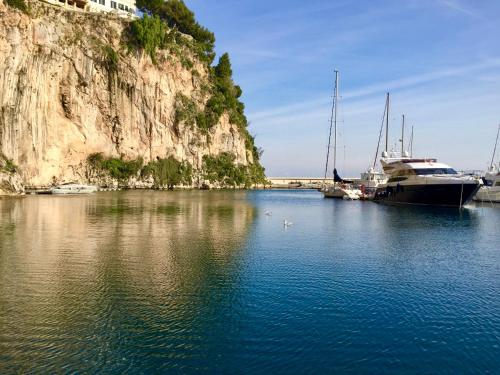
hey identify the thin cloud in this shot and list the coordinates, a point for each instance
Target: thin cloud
(458, 7)
(289, 111)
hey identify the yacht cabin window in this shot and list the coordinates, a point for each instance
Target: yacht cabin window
(428, 171)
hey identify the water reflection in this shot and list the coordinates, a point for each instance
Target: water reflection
(84, 278)
(150, 282)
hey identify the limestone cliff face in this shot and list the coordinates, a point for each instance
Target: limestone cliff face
(59, 102)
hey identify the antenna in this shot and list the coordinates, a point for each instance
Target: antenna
(495, 149)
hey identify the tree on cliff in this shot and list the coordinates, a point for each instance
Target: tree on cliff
(223, 69)
(18, 4)
(177, 15)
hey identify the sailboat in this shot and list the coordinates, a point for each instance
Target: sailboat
(340, 188)
(372, 178)
(490, 192)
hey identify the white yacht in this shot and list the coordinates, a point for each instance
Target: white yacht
(371, 180)
(71, 188)
(424, 182)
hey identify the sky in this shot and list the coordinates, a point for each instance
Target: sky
(439, 59)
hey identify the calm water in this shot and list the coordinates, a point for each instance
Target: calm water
(145, 282)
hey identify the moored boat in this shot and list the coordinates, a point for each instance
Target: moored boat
(340, 189)
(490, 192)
(71, 188)
(370, 181)
(424, 182)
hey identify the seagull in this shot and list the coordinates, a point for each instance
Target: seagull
(268, 213)
(287, 223)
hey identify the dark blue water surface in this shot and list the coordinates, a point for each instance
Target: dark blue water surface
(151, 282)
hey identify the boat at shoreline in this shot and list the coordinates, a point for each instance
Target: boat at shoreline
(72, 188)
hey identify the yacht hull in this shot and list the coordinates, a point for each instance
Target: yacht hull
(336, 194)
(451, 195)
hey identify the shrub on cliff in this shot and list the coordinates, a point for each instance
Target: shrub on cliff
(185, 110)
(148, 34)
(110, 58)
(116, 168)
(18, 4)
(177, 15)
(7, 165)
(169, 172)
(222, 169)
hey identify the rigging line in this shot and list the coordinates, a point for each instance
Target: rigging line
(379, 137)
(329, 140)
(411, 142)
(495, 149)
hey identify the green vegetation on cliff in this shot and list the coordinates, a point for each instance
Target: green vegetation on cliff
(149, 34)
(223, 170)
(168, 25)
(224, 97)
(118, 169)
(18, 4)
(7, 165)
(178, 16)
(169, 172)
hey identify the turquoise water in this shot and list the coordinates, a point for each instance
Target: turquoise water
(150, 282)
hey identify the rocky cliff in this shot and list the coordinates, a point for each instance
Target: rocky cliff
(61, 100)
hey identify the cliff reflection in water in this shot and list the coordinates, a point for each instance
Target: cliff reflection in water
(104, 271)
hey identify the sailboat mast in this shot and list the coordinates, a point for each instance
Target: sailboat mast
(387, 124)
(329, 140)
(379, 137)
(403, 136)
(411, 142)
(335, 101)
(495, 149)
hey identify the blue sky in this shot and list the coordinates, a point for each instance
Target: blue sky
(440, 60)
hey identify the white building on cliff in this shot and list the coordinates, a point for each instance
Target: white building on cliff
(121, 7)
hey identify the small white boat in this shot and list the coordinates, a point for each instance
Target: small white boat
(342, 191)
(370, 181)
(351, 195)
(72, 188)
(491, 191)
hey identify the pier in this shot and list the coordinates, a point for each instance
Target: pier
(301, 182)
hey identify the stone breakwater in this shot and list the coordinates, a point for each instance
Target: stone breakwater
(60, 102)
